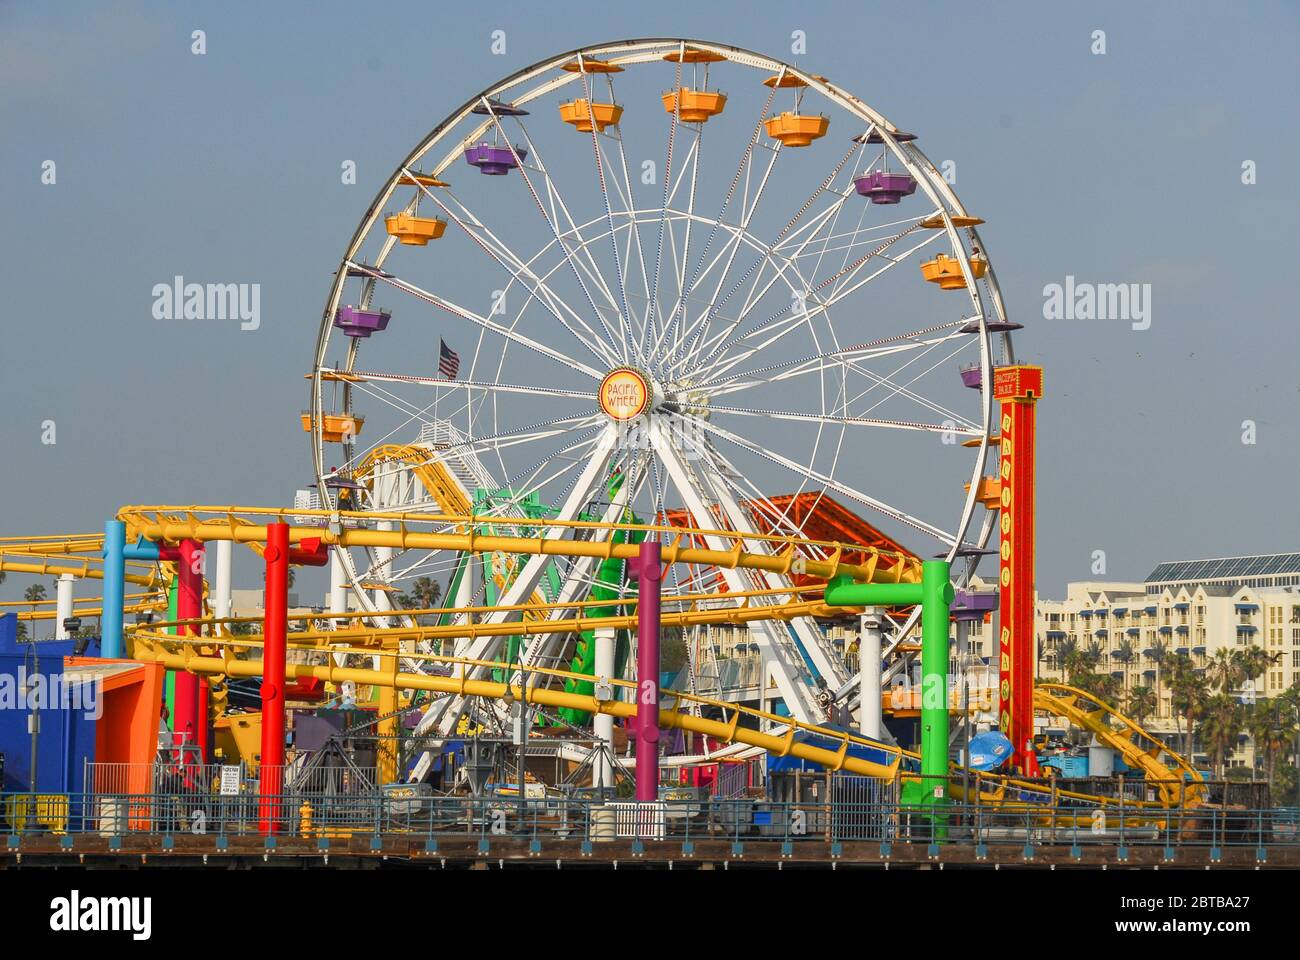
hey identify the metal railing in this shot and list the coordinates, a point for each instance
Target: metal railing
(852, 814)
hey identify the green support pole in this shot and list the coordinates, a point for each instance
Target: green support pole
(936, 599)
(169, 683)
(935, 595)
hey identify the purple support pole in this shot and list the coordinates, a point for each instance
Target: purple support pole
(648, 570)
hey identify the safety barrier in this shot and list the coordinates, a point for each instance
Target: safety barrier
(641, 821)
(564, 820)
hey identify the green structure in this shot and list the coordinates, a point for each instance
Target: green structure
(935, 595)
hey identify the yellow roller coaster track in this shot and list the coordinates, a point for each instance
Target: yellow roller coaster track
(205, 656)
(170, 524)
(1177, 784)
(445, 491)
(1177, 781)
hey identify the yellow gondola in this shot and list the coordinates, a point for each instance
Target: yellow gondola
(335, 427)
(582, 115)
(412, 230)
(946, 271)
(591, 65)
(697, 106)
(797, 129)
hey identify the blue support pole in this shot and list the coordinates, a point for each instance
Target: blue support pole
(114, 588)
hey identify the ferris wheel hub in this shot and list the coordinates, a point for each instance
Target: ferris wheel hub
(627, 393)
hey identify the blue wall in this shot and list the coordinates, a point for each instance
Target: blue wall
(67, 737)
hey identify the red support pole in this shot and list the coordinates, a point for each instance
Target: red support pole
(1018, 388)
(648, 569)
(275, 628)
(190, 706)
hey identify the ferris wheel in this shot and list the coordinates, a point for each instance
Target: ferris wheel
(660, 279)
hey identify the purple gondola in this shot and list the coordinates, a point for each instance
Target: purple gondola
(881, 186)
(356, 322)
(493, 161)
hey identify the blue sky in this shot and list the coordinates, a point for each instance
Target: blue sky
(225, 168)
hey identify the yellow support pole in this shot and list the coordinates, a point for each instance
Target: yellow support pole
(386, 745)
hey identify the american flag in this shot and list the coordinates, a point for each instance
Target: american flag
(448, 361)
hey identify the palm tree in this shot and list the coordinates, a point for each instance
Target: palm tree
(1141, 703)
(1093, 653)
(1066, 651)
(1220, 727)
(1125, 652)
(1264, 728)
(1254, 662)
(34, 595)
(424, 595)
(1224, 670)
(1188, 691)
(1101, 685)
(1158, 653)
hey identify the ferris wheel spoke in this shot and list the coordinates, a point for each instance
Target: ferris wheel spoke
(904, 390)
(958, 421)
(846, 420)
(521, 271)
(484, 322)
(538, 478)
(814, 363)
(634, 236)
(830, 482)
(727, 361)
(681, 257)
(572, 238)
(746, 160)
(780, 264)
(577, 274)
(626, 319)
(525, 581)
(696, 329)
(781, 238)
(652, 310)
(810, 233)
(368, 376)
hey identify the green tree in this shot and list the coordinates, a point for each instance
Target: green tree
(1224, 671)
(1220, 726)
(1254, 662)
(1092, 655)
(1141, 703)
(425, 594)
(34, 595)
(1271, 726)
(1125, 653)
(1188, 692)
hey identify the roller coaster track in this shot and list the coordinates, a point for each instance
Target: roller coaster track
(444, 486)
(170, 524)
(737, 724)
(1176, 780)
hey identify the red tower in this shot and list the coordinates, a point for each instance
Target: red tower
(1018, 389)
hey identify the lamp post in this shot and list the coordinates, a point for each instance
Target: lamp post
(520, 723)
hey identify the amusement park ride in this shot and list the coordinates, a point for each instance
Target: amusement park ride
(671, 416)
